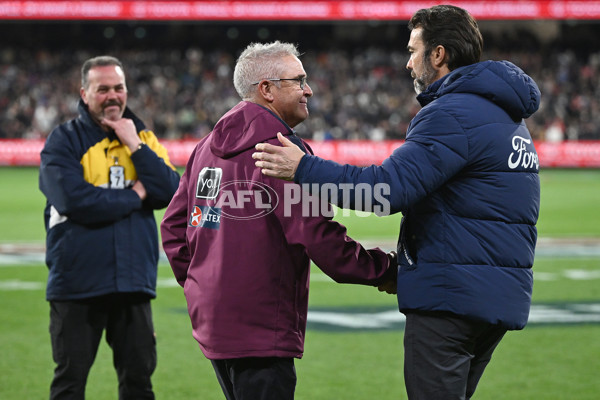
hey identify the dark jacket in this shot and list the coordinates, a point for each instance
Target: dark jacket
(240, 244)
(101, 240)
(466, 181)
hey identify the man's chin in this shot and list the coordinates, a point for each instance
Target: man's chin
(112, 115)
(417, 86)
(420, 86)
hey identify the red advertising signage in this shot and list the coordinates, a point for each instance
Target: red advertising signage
(286, 10)
(362, 152)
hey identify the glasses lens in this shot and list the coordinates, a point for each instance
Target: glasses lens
(302, 82)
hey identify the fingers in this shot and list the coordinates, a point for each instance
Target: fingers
(125, 130)
(264, 155)
(270, 155)
(388, 291)
(267, 160)
(272, 149)
(108, 122)
(278, 161)
(123, 124)
(267, 148)
(268, 172)
(274, 170)
(264, 165)
(284, 141)
(389, 287)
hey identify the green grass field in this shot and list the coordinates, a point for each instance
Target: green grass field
(557, 357)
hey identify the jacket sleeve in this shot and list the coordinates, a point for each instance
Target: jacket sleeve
(435, 149)
(173, 228)
(61, 180)
(155, 171)
(325, 241)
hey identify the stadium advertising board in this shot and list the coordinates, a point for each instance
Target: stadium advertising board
(580, 154)
(286, 10)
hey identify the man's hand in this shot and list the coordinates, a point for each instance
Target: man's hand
(125, 130)
(276, 161)
(139, 188)
(391, 286)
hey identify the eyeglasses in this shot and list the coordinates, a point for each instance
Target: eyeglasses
(301, 81)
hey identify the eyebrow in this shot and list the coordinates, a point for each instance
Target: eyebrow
(111, 86)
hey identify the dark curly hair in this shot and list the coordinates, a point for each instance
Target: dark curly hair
(453, 28)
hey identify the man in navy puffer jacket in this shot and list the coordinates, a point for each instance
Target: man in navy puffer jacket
(466, 181)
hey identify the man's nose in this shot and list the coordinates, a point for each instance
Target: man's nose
(112, 93)
(307, 90)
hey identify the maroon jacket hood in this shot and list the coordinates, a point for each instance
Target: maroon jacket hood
(232, 136)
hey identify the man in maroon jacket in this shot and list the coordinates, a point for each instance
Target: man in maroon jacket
(240, 243)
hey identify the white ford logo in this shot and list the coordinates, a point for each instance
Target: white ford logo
(520, 155)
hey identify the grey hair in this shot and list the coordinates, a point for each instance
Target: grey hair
(260, 61)
(100, 61)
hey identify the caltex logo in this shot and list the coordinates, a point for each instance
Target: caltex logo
(205, 217)
(196, 217)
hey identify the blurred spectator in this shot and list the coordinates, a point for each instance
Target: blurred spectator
(364, 93)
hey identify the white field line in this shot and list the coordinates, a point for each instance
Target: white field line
(318, 278)
(32, 254)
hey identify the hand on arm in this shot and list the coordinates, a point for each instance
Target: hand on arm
(276, 161)
(139, 188)
(125, 131)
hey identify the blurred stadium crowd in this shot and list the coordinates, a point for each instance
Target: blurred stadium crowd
(360, 92)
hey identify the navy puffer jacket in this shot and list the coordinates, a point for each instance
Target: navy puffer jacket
(466, 181)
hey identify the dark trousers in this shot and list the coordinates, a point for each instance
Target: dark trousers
(76, 329)
(269, 378)
(445, 355)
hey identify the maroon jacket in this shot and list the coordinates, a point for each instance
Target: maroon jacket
(240, 246)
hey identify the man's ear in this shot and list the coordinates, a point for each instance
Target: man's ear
(265, 91)
(438, 56)
(82, 94)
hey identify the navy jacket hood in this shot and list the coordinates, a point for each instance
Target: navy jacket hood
(502, 82)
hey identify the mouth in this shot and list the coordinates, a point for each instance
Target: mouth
(111, 109)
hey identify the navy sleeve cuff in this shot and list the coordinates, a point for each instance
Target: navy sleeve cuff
(303, 167)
